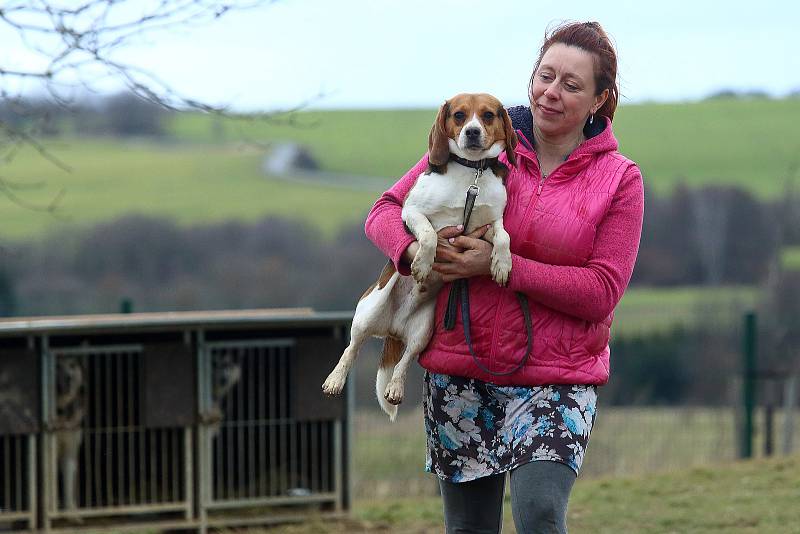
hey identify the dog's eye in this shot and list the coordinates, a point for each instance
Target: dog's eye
(459, 115)
(488, 116)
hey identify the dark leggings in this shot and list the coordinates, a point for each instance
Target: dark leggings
(539, 494)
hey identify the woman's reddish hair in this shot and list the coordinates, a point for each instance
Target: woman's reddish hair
(591, 37)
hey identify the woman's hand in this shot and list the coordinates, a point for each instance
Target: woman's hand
(449, 247)
(462, 256)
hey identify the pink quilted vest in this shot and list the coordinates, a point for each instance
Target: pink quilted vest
(553, 222)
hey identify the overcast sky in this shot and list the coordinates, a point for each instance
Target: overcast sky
(417, 53)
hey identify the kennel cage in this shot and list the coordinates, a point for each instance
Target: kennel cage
(103, 458)
(173, 421)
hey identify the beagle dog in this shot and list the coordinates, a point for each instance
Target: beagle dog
(470, 132)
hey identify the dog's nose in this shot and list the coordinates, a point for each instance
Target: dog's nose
(473, 133)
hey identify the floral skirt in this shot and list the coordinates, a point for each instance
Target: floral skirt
(476, 429)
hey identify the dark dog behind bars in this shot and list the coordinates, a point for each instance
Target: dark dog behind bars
(121, 463)
(259, 449)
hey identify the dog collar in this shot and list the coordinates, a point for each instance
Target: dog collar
(481, 164)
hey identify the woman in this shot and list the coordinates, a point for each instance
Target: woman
(574, 215)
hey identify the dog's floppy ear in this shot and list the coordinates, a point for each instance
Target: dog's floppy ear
(438, 144)
(511, 136)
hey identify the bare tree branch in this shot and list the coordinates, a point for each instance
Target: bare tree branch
(77, 43)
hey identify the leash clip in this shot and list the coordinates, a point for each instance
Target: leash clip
(474, 189)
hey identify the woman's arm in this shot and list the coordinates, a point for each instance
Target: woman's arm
(384, 226)
(591, 292)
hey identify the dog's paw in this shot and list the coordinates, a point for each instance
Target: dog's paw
(501, 267)
(334, 384)
(420, 269)
(394, 392)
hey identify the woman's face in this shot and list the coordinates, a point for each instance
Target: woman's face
(563, 93)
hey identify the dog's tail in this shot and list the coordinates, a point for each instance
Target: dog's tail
(392, 352)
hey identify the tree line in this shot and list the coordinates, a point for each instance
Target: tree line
(121, 115)
(712, 235)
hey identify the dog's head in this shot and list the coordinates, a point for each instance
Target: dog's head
(472, 126)
(69, 376)
(226, 373)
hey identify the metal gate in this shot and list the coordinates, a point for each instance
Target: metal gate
(100, 461)
(254, 452)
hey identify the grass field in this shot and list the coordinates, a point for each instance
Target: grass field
(654, 309)
(647, 470)
(625, 441)
(186, 182)
(758, 496)
(208, 170)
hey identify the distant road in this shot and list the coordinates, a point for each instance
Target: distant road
(338, 180)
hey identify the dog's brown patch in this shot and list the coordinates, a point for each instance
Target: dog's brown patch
(383, 279)
(392, 352)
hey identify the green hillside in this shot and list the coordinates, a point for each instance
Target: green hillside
(208, 170)
(750, 143)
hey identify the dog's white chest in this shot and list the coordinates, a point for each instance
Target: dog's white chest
(441, 197)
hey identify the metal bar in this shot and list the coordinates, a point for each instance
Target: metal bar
(293, 446)
(47, 361)
(153, 467)
(241, 446)
(315, 463)
(325, 478)
(175, 455)
(284, 444)
(101, 350)
(14, 516)
(789, 404)
(260, 392)
(162, 438)
(229, 433)
(252, 414)
(205, 468)
(118, 510)
(156, 526)
(188, 493)
(48, 385)
(87, 466)
(274, 432)
(218, 469)
(749, 384)
(141, 463)
(120, 435)
(769, 429)
(19, 475)
(7, 446)
(240, 503)
(33, 503)
(251, 343)
(303, 457)
(130, 387)
(337, 463)
(108, 408)
(94, 435)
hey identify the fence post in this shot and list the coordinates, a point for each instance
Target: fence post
(789, 400)
(748, 383)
